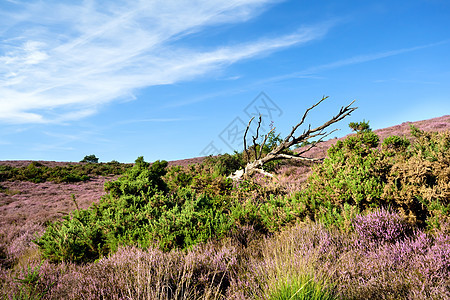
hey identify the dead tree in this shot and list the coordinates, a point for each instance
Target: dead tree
(278, 153)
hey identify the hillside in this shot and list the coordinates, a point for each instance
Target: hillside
(241, 223)
(26, 201)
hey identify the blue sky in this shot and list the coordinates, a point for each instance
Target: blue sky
(179, 79)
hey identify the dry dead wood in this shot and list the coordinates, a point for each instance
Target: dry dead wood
(279, 152)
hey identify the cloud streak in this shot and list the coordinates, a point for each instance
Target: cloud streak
(313, 72)
(61, 62)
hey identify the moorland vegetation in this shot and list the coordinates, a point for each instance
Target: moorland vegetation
(372, 221)
(38, 172)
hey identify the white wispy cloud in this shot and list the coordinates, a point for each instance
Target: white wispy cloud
(312, 72)
(369, 57)
(62, 61)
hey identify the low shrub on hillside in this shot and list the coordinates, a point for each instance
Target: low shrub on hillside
(37, 172)
(149, 206)
(409, 177)
(138, 210)
(418, 181)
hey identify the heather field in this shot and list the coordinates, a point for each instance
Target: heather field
(371, 221)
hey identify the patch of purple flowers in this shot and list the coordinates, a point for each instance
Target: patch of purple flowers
(380, 226)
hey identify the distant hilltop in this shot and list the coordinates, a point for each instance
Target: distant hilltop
(435, 124)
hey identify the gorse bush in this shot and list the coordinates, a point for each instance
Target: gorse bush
(138, 210)
(150, 206)
(409, 177)
(360, 126)
(224, 165)
(418, 179)
(395, 143)
(350, 179)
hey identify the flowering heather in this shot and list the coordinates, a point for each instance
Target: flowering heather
(412, 267)
(131, 273)
(25, 210)
(380, 226)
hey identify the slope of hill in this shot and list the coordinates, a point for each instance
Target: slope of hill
(55, 200)
(26, 208)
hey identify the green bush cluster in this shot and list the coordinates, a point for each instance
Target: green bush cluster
(175, 207)
(358, 175)
(138, 209)
(178, 207)
(37, 172)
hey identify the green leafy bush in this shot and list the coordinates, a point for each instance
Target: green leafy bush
(353, 173)
(395, 143)
(224, 165)
(360, 126)
(138, 210)
(357, 176)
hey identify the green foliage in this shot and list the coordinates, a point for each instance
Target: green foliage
(224, 165)
(178, 207)
(37, 172)
(30, 285)
(395, 143)
(301, 288)
(353, 173)
(415, 132)
(178, 177)
(90, 159)
(411, 178)
(137, 210)
(272, 141)
(360, 126)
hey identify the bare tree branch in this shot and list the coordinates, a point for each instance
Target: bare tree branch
(278, 152)
(245, 136)
(314, 144)
(264, 142)
(255, 146)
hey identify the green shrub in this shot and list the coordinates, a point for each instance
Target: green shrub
(353, 173)
(224, 165)
(411, 178)
(138, 210)
(395, 143)
(360, 126)
(90, 159)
